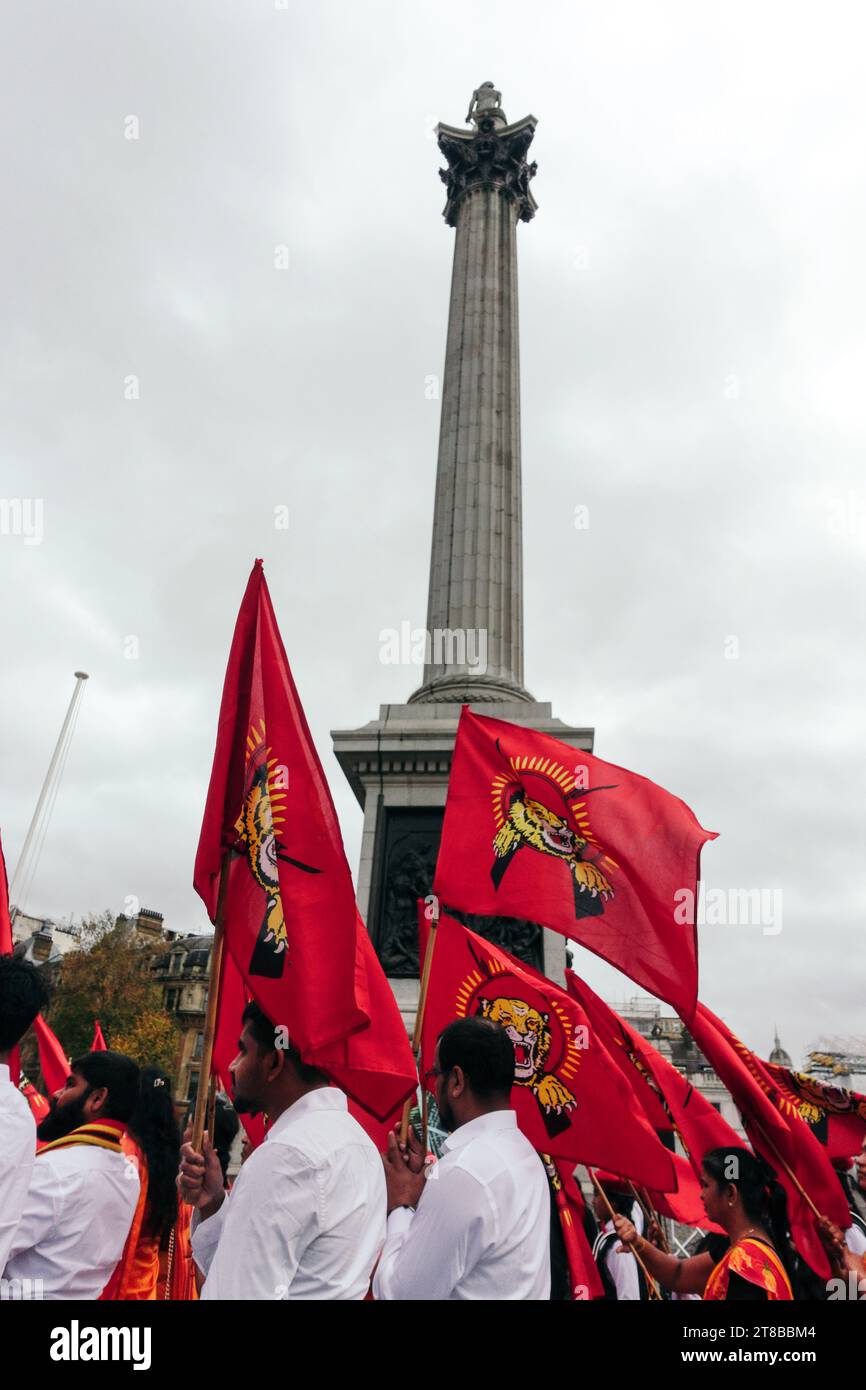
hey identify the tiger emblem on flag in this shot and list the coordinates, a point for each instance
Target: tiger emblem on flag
(529, 1033)
(523, 822)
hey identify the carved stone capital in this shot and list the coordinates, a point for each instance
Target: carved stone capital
(493, 156)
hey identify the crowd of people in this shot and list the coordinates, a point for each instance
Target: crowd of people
(106, 1198)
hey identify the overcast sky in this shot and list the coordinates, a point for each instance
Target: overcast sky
(693, 300)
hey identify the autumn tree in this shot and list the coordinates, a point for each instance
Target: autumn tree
(110, 977)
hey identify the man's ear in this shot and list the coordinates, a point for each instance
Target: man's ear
(95, 1102)
(458, 1080)
(276, 1063)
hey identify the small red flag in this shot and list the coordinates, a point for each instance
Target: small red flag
(538, 830)
(778, 1134)
(584, 1279)
(52, 1059)
(39, 1106)
(669, 1099)
(290, 904)
(99, 1044)
(6, 942)
(569, 1098)
(836, 1117)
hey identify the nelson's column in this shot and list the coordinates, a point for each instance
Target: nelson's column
(398, 764)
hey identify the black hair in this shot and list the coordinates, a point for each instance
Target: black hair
(118, 1074)
(265, 1035)
(485, 1053)
(154, 1127)
(225, 1127)
(761, 1194)
(23, 995)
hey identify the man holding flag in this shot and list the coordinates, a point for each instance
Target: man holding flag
(478, 1226)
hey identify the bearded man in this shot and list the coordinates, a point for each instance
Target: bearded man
(83, 1190)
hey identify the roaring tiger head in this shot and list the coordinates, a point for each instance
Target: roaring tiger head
(531, 823)
(529, 1034)
(255, 829)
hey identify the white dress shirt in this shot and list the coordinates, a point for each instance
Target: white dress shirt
(17, 1151)
(77, 1214)
(482, 1226)
(306, 1215)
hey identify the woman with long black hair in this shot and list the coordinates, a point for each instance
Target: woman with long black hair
(750, 1263)
(153, 1144)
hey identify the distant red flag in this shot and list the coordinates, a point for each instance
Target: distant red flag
(836, 1117)
(99, 1044)
(584, 1279)
(570, 1099)
(538, 830)
(6, 948)
(290, 907)
(685, 1204)
(670, 1100)
(782, 1138)
(53, 1061)
(6, 942)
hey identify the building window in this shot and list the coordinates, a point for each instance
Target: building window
(716, 1105)
(192, 1089)
(171, 1000)
(197, 1047)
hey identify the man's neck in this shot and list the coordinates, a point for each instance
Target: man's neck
(4, 1058)
(285, 1102)
(474, 1110)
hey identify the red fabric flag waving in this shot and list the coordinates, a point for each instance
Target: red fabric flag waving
(39, 1106)
(99, 1044)
(584, 1279)
(669, 1099)
(6, 943)
(52, 1059)
(570, 1099)
(777, 1133)
(375, 1067)
(536, 829)
(290, 905)
(836, 1117)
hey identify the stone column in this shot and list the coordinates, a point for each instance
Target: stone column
(475, 607)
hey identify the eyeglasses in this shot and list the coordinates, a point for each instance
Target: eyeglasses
(431, 1073)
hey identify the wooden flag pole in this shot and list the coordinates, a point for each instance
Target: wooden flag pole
(651, 1286)
(216, 957)
(419, 1015)
(650, 1214)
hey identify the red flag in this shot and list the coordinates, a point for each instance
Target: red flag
(52, 1059)
(375, 1067)
(39, 1106)
(567, 1198)
(6, 948)
(685, 1204)
(669, 1099)
(290, 905)
(6, 942)
(782, 1138)
(99, 1044)
(570, 1099)
(539, 830)
(835, 1116)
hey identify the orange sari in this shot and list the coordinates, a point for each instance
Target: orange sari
(177, 1278)
(754, 1261)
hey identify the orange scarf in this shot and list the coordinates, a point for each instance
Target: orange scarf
(755, 1261)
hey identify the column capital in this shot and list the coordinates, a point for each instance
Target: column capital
(492, 156)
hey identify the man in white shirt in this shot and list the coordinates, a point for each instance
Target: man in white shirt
(83, 1190)
(306, 1216)
(478, 1225)
(22, 996)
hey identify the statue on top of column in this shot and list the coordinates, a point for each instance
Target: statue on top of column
(485, 105)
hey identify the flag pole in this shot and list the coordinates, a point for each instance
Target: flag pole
(419, 1015)
(789, 1170)
(216, 957)
(651, 1285)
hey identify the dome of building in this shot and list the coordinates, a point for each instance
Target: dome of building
(779, 1055)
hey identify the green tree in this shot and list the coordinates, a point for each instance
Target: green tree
(110, 977)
